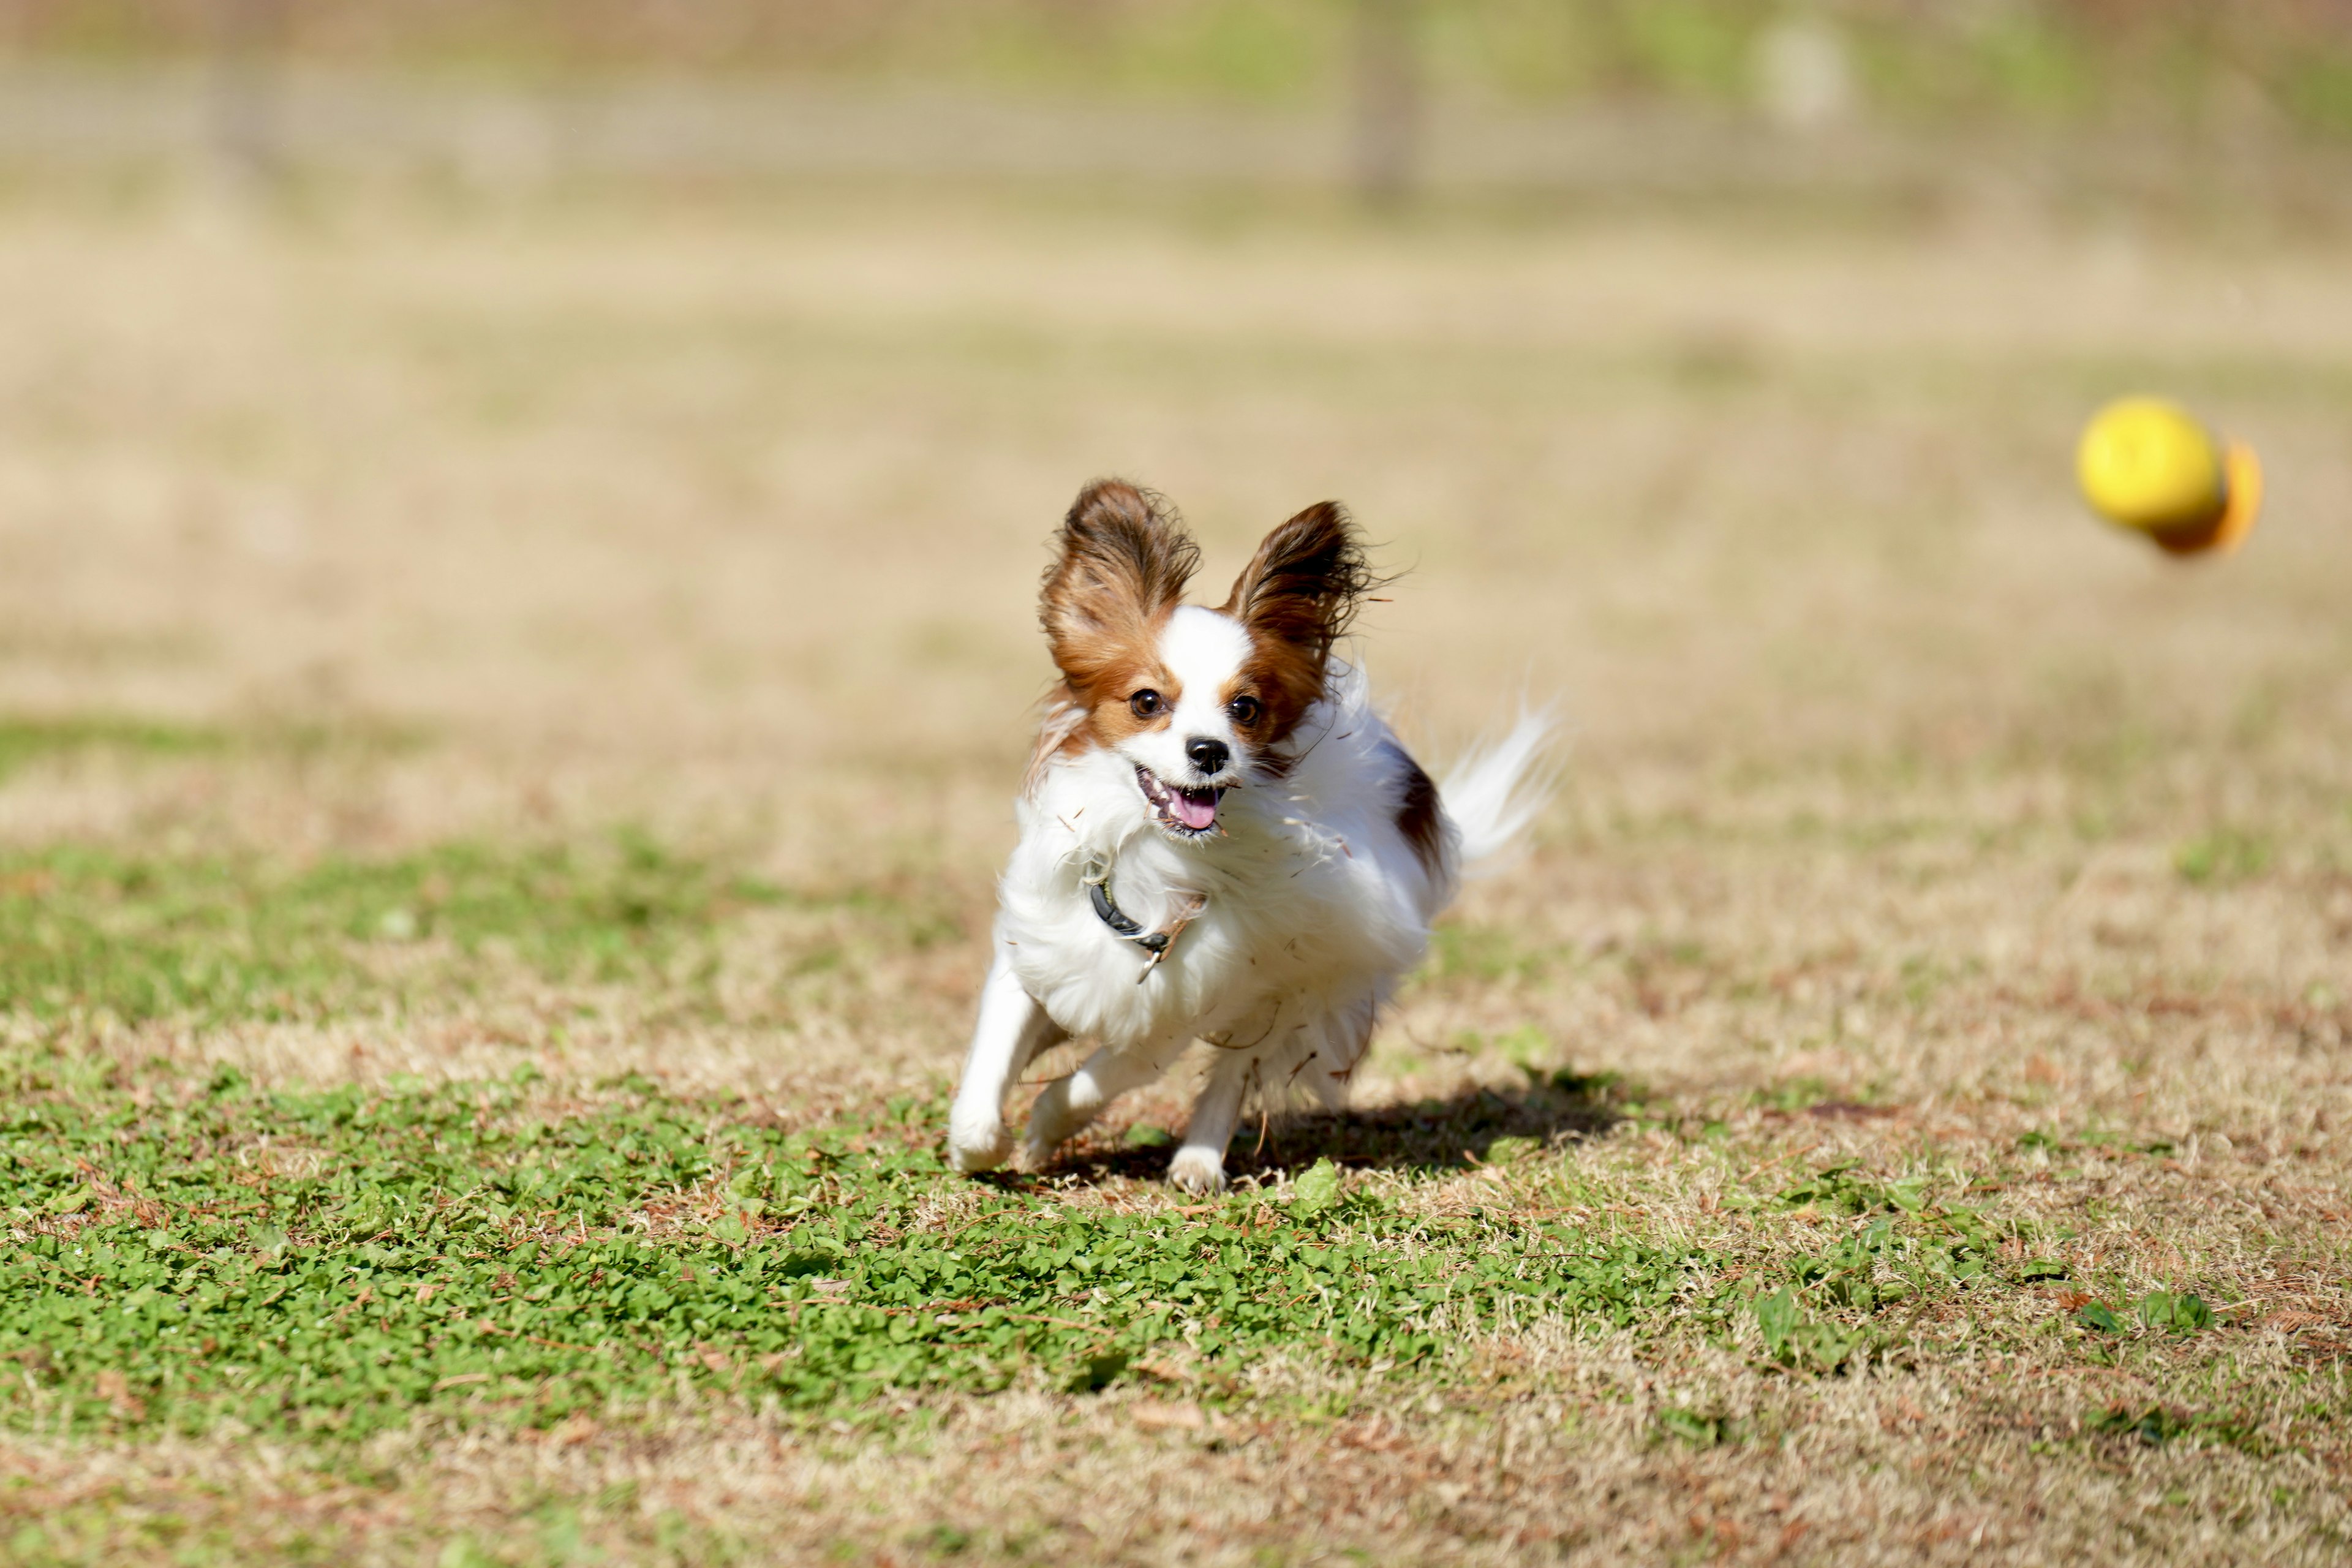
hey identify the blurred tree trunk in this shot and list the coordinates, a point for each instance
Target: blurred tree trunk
(247, 67)
(1388, 101)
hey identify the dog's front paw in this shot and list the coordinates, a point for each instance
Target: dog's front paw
(1051, 1123)
(978, 1147)
(1200, 1170)
(1035, 1153)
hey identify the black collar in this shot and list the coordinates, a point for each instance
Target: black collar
(1123, 923)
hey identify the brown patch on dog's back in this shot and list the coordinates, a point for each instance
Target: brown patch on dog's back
(1418, 815)
(1123, 562)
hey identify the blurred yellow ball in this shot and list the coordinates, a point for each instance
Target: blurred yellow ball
(2149, 465)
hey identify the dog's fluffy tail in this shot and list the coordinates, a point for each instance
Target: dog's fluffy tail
(1496, 789)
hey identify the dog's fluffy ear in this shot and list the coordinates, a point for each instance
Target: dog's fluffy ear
(1304, 583)
(1296, 599)
(1122, 563)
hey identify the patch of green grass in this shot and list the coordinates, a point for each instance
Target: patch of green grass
(332, 1262)
(335, 1260)
(2156, 1424)
(1459, 951)
(85, 931)
(1698, 1428)
(1527, 1047)
(1811, 1344)
(1792, 1095)
(2224, 855)
(1845, 1188)
(22, 739)
(2182, 1314)
(1897, 1258)
(2106, 1139)
(2099, 1318)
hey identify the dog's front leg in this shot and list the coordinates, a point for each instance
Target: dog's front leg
(1011, 1030)
(1072, 1101)
(1200, 1163)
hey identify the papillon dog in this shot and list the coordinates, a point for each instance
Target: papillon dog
(1220, 839)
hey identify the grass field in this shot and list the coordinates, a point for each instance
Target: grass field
(507, 724)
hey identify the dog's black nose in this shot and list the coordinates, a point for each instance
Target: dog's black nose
(1207, 756)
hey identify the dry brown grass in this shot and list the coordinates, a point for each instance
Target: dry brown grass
(1910, 810)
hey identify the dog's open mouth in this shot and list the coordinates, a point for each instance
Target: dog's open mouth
(1180, 810)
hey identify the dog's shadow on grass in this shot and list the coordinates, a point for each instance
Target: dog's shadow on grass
(1426, 1136)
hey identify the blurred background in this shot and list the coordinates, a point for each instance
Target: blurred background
(2169, 102)
(1900, 99)
(625, 409)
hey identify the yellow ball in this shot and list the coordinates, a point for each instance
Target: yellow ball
(2147, 464)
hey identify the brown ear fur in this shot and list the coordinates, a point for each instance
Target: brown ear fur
(1295, 598)
(1123, 562)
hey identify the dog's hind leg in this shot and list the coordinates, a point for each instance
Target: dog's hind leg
(1069, 1103)
(1011, 1030)
(1200, 1163)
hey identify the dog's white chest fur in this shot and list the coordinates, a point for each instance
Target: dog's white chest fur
(1310, 902)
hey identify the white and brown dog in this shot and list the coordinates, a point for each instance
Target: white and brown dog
(1220, 839)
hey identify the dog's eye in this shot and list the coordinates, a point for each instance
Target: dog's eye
(1144, 704)
(1244, 710)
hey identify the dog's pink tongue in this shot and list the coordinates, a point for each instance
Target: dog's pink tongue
(1195, 809)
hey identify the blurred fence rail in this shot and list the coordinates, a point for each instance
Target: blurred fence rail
(501, 138)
